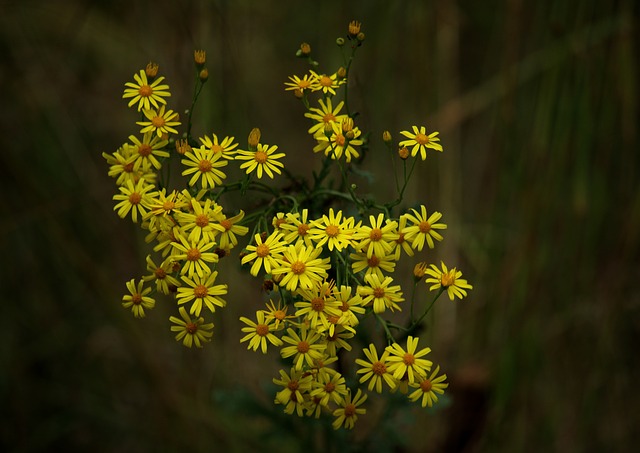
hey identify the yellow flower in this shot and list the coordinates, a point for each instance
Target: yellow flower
(408, 362)
(162, 275)
(326, 83)
(401, 242)
(190, 330)
(448, 279)
(420, 141)
(373, 265)
(296, 83)
(201, 290)
(349, 305)
(301, 267)
(324, 115)
(145, 94)
(348, 413)
(195, 254)
(332, 230)
(203, 163)
(264, 159)
(428, 387)
(305, 348)
(264, 254)
(295, 395)
(258, 333)
(277, 313)
(339, 142)
(122, 165)
(375, 370)
(138, 300)
(423, 228)
(379, 293)
(376, 239)
(296, 228)
(135, 198)
(160, 122)
(230, 229)
(148, 150)
(224, 147)
(317, 306)
(202, 222)
(329, 387)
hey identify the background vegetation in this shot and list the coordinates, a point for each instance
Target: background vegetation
(537, 104)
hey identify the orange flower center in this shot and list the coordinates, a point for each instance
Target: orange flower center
(202, 220)
(261, 157)
(332, 231)
(376, 234)
(378, 368)
(422, 139)
(193, 254)
(328, 117)
(200, 291)
(426, 385)
(128, 168)
(424, 226)
(145, 91)
(349, 410)
(262, 329)
(191, 327)
(135, 198)
(160, 273)
(447, 279)
(333, 319)
(168, 205)
(262, 250)
(158, 121)
(329, 387)
(204, 166)
(326, 81)
(400, 239)
(279, 222)
(303, 347)
(303, 228)
(302, 84)
(298, 267)
(340, 140)
(136, 299)
(226, 224)
(408, 359)
(217, 149)
(144, 149)
(378, 293)
(317, 304)
(345, 306)
(279, 315)
(374, 261)
(293, 386)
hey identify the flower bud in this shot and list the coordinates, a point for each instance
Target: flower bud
(419, 270)
(347, 124)
(350, 135)
(360, 36)
(203, 75)
(403, 153)
(305, 49)
(298, 93)
(340, 42)
(151, 70)
(342, 73)
(354, 27)
(182, 147)
(200, 57)
(386, 137)
(254, 137)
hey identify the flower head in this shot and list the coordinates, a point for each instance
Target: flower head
(448, 279)
(202, 291)
(305, 347)
(375, 370)
(225, 146)
(332, 230)
(263, 160)
(160, 122)
(138, 300)
(423, 228)
(348, 413)
(427, 387)
(420, 141)
(264, 253)
(135, 198)
(380, 293)
(259, 333)
(408, 362)
(203, 163)
(146, 94)
(301, 267)
(191, 331)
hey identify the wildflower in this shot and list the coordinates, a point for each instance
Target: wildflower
(199, 57)
(264, 159)
(135, 198)
(162, 209)
(297, 83)
(301, 267)
(203, 163)
(428, 387)
(401, 362)
(317, 306)
(419, 271)
(225, 147)
(145, 94)
(149, 149)
(162, 275)
(202, 291)
(295, 394)
(263, 254)
(123, 165)
(278, 220)
(304, 347)
(332, 230)
(375, 370)
(337, 339)
(195, 254)
(330, 387)
(373, 265)
(420, 141)
(160, 122)
(190, 330)
(296, 228)
(348, 413)
(259, 333)
(201, 223)
(448, 279)
(423, 228)
(230, 229)
(401, 243)
(277, 314)
(354, 28)
(349, 305)
(339, 143)
(380, 293)
(324, 115)
(138, 300)
(376, 239)
(326, 83)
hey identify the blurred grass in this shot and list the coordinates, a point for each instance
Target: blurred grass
(537, 104)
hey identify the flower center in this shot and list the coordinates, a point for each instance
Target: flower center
(135, 198)
(317, 304)
(345, 306)
(349, 410)
(200, 291)
(447, 279)
(302, 84)
(333, 319)
(424, 226)
(340, 140)
(374, 261)
(329, 387)
(226, 224)
(303, 228)
(422, 139)
(128, 168)
(160, 273)
(136, 299)
(293, 386)
(408, 359)
(400, 239)
(144, 149)
(303, 347)
(145, 91)
(205, 166)
(378, 293)
(202, 220)
(191, 327)
(262, 329)
(298, 267)
(376, 234)
(217, 149)
(168, 205)
(157, 121)
(332, 231)
(193, 254)
(328, 117)
(426, 385)
(279, 315)
(262, 250)
(261, 157)
(326, 81)
(378, 368)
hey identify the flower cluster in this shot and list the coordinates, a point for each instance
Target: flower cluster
(325, 255)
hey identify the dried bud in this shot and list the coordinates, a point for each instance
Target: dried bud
(151, 70)
(200, 57)
(305, 49)
(386, 137)
(354, 27)
(203, 75)
(277, 278)
(403, 153)
(182, 146)
(254, 137)
(263, 236)
(220, 252)
(267, 286)
(342, 73)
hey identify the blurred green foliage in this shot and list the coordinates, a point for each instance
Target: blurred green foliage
(537, 104)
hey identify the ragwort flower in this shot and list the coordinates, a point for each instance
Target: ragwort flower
(428, 387)
(408, 362)
(138, 300)
(144, 93)
(259, 333)
(160, 122)
(423, 228)
(204, 163)
(263, 160)
(448, 279)
(348, 413)
(301, 267)
(191, 331)
(420, 141)
(202, 291)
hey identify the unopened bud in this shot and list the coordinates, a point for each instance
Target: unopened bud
(419, 270)
(342, 73)
(347, 124)
(151, 70)
(403, 153)
(350, 135)
(203, 75)
(328, 129)
(354, 27)
(305, 49)
(360, 36)
(340, 41)
(200, 57)
(386, 137)
(182, 146)
(254, 137)
(298, 93)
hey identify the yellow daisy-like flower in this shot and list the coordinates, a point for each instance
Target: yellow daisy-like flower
(401, 243)
(259, 333)
(202, 291)
(324, 115)
(138, 300)
(202, 222)
(372, 265)
(375, 370)
(301, 267)
(230, 228)
(296, 229)
(263, 160)
(264, 254)
(376, 239)
(296, 83)
(423, 228)
(339, 142)
(135, 198)
(305, 348)
(203, 164)
(347, 415)
(420, 141)
(224, 147)
(160, 122)
(144, 93)
(295, 395)
(328, 84)
(148, 150)
(428, 387)
(122, 165)
(162, 275)
(380, 293)
(318, 306)
(338, 339)
(448, 279)
(349, 305)
(277, 314)
(332, 230)
(409, 362)
(191, 331)
(195, 254)
(329, 387)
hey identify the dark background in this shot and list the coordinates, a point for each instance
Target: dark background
(537, 105)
